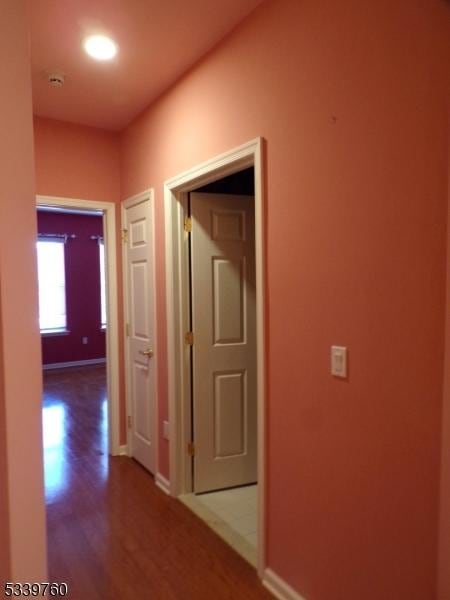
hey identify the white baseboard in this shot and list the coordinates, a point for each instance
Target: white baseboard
(119, 451)
(74, 363)
(162, 483)
(279, 588)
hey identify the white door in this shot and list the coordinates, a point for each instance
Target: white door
(141, 334)
(224, 349)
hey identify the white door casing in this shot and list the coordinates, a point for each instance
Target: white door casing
(138, 223)
(176, 189)
(224, 350)
(112, 331)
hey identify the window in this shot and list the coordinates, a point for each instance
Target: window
(101, 247)
(52, 285)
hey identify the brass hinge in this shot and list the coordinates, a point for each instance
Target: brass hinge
(188, 224)
(124, 236)
(189, 338)
(129, 421)
(191, 449)
(127, 329)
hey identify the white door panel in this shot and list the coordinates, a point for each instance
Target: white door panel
(141, 329)
(224, 351)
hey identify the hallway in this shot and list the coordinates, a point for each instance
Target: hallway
(112, 534)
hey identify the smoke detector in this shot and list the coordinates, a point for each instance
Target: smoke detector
(55, 78)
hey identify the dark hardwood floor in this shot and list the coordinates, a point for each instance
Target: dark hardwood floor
(112, 534)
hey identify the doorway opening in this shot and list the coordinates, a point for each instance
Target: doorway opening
(79, 362)
(215, 308)
(72, 320)
(221, 247)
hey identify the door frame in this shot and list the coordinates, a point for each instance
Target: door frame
(128, 202)
(177, 298)
(112, 331)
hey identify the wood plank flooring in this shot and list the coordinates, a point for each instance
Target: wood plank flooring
(112, 534)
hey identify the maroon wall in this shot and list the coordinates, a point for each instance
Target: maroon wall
(82, 289)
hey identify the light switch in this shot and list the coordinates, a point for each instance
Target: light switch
(339, 361)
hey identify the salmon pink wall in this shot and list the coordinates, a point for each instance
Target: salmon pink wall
(351, 98)
(75, 161)
(21, 474)
(4, 508)
(444, 545)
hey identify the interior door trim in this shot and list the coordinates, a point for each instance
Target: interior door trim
(112, 333)
(175, 208)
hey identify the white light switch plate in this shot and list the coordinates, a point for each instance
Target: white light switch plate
(166, 430)
(339, 361)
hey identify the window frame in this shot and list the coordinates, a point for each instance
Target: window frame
(61, 330)
(103, 285)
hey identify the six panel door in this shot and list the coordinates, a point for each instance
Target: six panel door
(224, 350)
(141, 329)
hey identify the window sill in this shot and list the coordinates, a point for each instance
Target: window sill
(54, 332)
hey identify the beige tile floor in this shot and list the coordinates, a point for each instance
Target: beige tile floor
(232, 514)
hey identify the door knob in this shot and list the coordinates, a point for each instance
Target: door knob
(148, 352)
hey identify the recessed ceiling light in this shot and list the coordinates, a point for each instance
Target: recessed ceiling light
(100, 47)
